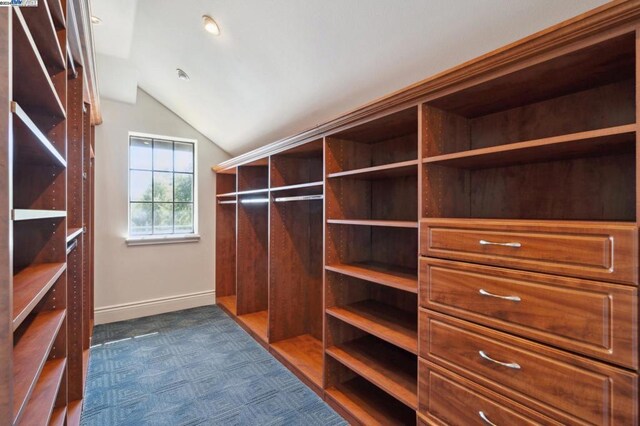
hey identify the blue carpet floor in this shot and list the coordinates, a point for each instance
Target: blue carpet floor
(192, 367)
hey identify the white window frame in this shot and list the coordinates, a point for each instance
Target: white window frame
(138, 240)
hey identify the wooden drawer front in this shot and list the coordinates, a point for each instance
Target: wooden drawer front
(602, 251)
(564, 386)
(587, 317)
(448, 399)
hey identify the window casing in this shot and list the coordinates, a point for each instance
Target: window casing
(162, 186)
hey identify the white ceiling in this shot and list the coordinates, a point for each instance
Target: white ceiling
(282, 66)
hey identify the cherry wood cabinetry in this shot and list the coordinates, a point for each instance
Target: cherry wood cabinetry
(46, 135)
(463, 251)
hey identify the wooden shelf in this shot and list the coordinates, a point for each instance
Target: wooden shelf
(257, 322)
(74, 412)
(32, 87)
(391, 369)
(386, 322)
(30, 354)
(72, 233)
(304, 353)
(402, 168)
(58, 417)
(228, 303)
(369, 405)
(400, 278)
(364, 222)
(32, 214)
(55, 7)
(227, 194)
(298, 186)
(43, 31)
(595, 142)
(40, 407)
(32, 146)
(253, 191)
(30, 285)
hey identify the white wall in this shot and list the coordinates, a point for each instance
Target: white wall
(134, 281)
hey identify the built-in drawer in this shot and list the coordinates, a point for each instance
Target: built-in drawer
(604, 251)
(566, 387)
(448, 399)
(593, 318)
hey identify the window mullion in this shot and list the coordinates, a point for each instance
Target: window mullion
(153, 186)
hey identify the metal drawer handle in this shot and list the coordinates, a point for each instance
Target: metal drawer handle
(513, 365)
(484, 417)
(490, 243)
(486, 293)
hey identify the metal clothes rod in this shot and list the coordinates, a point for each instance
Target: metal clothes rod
(72, 246)
(255, 201)
(227, 202)
(299, 198)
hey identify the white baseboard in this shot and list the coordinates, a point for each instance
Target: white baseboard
(144, 308)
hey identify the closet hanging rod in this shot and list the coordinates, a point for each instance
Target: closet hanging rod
(227, 202)
(299, 198)
(255, 201)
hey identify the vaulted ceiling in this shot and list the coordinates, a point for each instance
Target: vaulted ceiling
(283, 66)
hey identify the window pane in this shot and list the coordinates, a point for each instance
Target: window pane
(140, 186)
(162, 155)
(162, 218)
(162, 186)
(183, 187)
(183, 155)
(140, 218)
(183, 218)
(140, 153)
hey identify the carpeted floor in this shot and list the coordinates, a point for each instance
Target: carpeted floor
(192, 367)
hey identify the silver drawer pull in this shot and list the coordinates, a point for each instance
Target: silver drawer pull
(484, 417)
(513, 365)
(490, 243)
(486, 293)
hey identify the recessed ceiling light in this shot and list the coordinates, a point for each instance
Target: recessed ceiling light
(210, 25)
(182, 75)
(95, 20)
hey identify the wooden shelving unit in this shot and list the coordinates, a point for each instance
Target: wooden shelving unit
(303, 353)
(35, 340)
(364, 403)
(295, 261)
(465, 173)
(399, 169)
(257, 324)
(397, 277)
(34, 90)
(390, 369)
(252, 277)
(32, 284)
(228, 303)
(226, 216)
(58, 417)
(35, 147)
(41, 199)
(365, 222)
(43, 399)
(386, 322)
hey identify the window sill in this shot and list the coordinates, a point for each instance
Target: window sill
(164, 239)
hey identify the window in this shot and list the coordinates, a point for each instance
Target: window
(162, 199)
